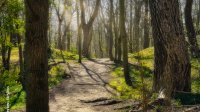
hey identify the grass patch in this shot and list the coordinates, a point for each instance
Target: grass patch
(146, 59)
(57, 54)
(127, 92)
(17, 96)
(56, 75)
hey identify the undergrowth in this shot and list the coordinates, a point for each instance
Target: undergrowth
(145, 67)
(11, 79)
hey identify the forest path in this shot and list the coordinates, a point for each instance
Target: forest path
(89, 81)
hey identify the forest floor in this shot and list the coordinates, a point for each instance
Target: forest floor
(86, 89)
(98, 85)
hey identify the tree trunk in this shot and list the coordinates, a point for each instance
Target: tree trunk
(64, 38)
(79, 39)
(115, 22)
(59, 43)
(68, 38)
(100, 42)
(87, 27)
(194, 48)
(21, 61)
(36, 58)
(6, 52)
(111, 31)
(125, 45)
(86, 41)
(172, 66)
(146, 25)
(131, 28)
(137, 17)
(198, 15)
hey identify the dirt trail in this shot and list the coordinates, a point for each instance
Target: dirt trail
(88, 82)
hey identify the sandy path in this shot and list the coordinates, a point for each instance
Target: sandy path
(88, 82)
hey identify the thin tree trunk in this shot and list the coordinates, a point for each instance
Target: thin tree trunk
(6, 52)
(21, 61)
(68, 38)
(131, 28)
(125, 46)
(146, 25)
(111, 31)
(79, 39)
(194, 48)
(59, 43)
(116, 36)
(137, 17)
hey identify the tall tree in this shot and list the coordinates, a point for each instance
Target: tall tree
(194, 48)
(88, 26)
(172, 66)
(125, 45)
(117, 37)
(110, 31)
(146, 25)
(60, 15)
(131, 27)
(137, 17)
(198, 15)
(79, 39)
(36, 59)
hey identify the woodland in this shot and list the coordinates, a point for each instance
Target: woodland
(99, 55)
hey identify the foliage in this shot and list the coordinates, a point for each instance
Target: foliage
(10, 16)
(57, 54)
(127, 92)
(11, 79)
(144, 54)
(55, 75)
(17, 96)
(145, 57)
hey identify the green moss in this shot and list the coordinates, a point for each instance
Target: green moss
(144, 54)
(14, 54)
(118, 72)
(127, 92)
(57, 54)
(145, 59)
(55, 75)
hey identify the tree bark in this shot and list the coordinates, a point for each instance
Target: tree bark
(146, 25)
(137, 17)
(111, 31)
(194, 48)
(88, 26)
(36, 58)
(125, 45)
(59, 43)
(131, 28)
(198, 15)
(6, 52)
(21, 61)
(172, 66)
(79, 39)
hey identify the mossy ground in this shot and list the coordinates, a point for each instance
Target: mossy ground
(145, 60)
(141, 66)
